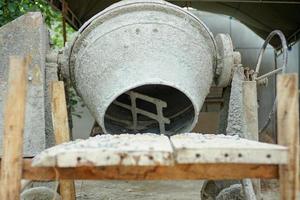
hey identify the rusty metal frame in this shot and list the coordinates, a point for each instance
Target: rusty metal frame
(135, 111)
(68, 14)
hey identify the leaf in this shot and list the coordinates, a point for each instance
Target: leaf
(12, 7)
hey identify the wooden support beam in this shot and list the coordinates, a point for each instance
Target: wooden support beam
(14, 119)
(61, 131)
(251, 119)
(288, 133)
(250, 109)
(176, 172)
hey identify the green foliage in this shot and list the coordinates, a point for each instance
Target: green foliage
(11, 9)
(74, 100)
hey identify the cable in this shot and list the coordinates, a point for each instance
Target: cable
(284, 48)
(284, 66)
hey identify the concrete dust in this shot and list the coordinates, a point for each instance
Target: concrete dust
(146, 190)
(154, 190)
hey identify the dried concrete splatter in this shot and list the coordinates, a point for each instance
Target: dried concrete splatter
(236, 119)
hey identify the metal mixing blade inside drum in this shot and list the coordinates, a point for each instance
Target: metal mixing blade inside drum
(150, 108)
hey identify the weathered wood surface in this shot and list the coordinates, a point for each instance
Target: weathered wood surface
(108, 150)
(152, 149)
(288, 133)
(251, 119)
(59, 113)
(175, 172)
(61, 132)
(250, 109)
(198, 148)
(14, 118)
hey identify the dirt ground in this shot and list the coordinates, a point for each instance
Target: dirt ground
(135, 190)
(152, 190)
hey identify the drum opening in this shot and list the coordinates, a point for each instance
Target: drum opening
(150, 108)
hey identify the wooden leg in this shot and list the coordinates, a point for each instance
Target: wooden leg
(14, 119)
(251, 120)
(288, 133)
(61, 131)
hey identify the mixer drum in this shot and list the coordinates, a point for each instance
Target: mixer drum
(143, 66)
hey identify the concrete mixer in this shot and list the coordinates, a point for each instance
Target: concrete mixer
(147, 66)
(141, 67)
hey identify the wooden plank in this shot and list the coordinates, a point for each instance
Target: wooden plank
(251, 119)
(152, 150)
(61, 132)
(250, 109)
(59, 113)
(175, 172)
(288, 133)
(108, 150)
(208, 148)
(14, 118)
